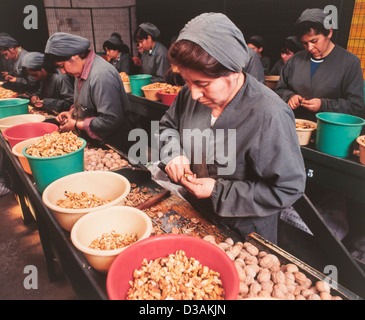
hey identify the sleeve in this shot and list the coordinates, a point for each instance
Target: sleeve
(162, 65)
(278, 170)
(124, 63)
(255, 68)
(105, 92)
(283, 89)
(168, 136)
(352, 95)
(65, 96)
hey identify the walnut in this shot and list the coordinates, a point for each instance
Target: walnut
(251, 260)
(323, 286)
(255, 288)
(278, 276)
(300, 277)
(266, 262)
(263, 275)
(267, 286)
(291, 268)
(243, 288)
(324, 295)
(251, 249)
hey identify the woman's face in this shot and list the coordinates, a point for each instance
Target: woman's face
(10, 53)
(285, 56)
(145, 44)
(39, 75)
(212, 92)
(112, 54)
(72, 67)
(317, 45)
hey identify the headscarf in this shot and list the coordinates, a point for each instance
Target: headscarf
(7, 41)
(314, 15)
(258, 39)
(34, 60)
(219, 37)
(150, 29)
(65, 44)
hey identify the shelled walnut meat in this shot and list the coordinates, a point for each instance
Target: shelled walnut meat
(175, 277)
(261, 275)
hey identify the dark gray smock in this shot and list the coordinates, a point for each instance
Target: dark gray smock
(269, 174)
(155, 62)
(254, 66)
(102, 96)
(123, 63)
(24, 82)
(58, 94)
(338, 82)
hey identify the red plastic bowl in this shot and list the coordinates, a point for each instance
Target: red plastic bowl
(121, 270)
(167, 98)
(21, 132)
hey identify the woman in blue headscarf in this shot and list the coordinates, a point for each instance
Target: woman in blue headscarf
(101, 106)
(228, 139)
(154, 56)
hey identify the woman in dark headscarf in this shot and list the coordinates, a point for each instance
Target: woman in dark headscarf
(324, 77)
(16, 79)
(56, 90)
(289, 48)
(258, 45)
(101, 106)
(117, 53)
(228, 139)
(154, 56)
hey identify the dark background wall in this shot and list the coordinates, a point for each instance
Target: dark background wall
(272, 19)
(12, 22)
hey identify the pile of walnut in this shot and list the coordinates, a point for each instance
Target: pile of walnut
(100, 159)
(175, 277)
(6, 93)
(262, 276)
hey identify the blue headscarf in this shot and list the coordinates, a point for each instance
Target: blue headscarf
(219, 37)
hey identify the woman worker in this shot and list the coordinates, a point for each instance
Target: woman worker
(101, 106)
(258, 45)
(154, 56)
(324, 77)
(118, 54)
(289, 48)
(264, 171)
(55, 92)
(16, 79)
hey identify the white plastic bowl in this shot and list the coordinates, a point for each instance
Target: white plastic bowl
(304, 135)
(17, 150)
(103, 184)
(121, 219)
(20, 119)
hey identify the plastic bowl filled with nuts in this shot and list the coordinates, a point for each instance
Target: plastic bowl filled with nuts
(103, 234)
(175, 267)
(77, 194)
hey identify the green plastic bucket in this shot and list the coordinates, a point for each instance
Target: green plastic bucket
(336, 132)
(13, 107)
(45, 170)
(137, 81)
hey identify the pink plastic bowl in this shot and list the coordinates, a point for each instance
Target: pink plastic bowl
(167, 98)
(121, 270)
(21, 132)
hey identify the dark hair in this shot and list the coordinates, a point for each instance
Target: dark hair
(187, 54)
(256, 43)
(140, 34)
(111, 46)
(305, 27)
(289, 45)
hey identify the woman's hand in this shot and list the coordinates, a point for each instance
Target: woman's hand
(312, 105)
(199, 187)
(177, 168)
(10, 78)
(66, 121)
(295, 101)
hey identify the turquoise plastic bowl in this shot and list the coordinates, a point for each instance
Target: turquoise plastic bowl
(336, 132)
(13, 107)
(137, 81)
(45, 170)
